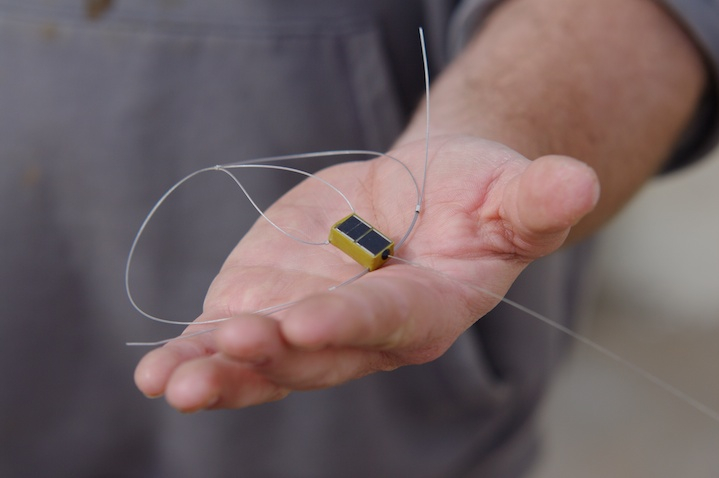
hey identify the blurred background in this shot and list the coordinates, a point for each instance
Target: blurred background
(656, 304)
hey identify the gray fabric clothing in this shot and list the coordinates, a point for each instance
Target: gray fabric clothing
(700, 20)
(101, 112)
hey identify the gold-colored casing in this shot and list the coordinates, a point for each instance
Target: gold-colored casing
(362, 242)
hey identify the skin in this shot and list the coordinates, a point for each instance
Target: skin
(542, 77)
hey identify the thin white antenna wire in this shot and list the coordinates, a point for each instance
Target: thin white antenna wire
(172, 339)
(248, 164)
(267, 311)
(264, 312)
(425, 65)
(223, 169)
(650, 377)
(143, 226)
(420, 198)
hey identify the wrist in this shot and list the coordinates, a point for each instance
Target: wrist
(612, 83)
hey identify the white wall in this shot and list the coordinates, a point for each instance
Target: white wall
(662, 253)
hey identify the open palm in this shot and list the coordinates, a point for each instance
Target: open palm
(487, 213)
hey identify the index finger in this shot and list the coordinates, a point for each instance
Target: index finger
(155, 368)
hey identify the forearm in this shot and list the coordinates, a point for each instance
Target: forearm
(612, 83)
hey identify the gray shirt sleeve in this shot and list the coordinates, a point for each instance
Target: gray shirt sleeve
(700, 19)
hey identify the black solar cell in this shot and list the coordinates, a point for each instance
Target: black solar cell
(373, 242)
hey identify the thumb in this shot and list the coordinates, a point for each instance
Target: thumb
(547, 199)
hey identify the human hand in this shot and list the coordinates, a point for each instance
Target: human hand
(487, 213)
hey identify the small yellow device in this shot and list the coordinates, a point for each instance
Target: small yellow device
(363, 243)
